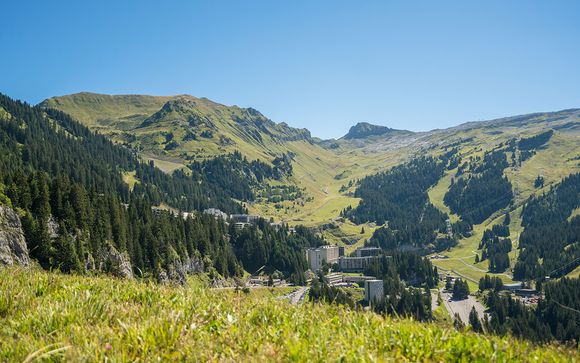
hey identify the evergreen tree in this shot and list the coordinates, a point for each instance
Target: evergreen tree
(458, 323)
(460, 289)
(65, 256)
(507, 219)
(474, 320)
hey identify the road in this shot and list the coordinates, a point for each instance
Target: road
(462, 307)
(297, 296)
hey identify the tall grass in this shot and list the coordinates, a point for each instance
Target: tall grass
(58, 317)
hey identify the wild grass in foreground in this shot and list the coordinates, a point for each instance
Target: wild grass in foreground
(60, 317)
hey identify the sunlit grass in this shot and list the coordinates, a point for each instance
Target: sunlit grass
(98, 318)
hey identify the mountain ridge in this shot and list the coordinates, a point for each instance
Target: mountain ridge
(72, 103)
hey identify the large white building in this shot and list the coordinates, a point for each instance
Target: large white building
(356, 264)
(368, 251)
(374, 290)
(244, 218)
(316, 256)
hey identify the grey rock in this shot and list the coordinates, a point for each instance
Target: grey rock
(162, 277)
(13, 249)
(178, 270)
(115, 262)
(192, 265)
(52, 226)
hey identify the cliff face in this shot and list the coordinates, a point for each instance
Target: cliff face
(13, 248)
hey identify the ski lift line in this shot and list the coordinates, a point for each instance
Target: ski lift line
(566, 307)
(564, 266)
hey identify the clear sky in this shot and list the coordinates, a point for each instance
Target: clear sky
(324, 65)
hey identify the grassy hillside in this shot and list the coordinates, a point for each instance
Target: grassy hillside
(51, 316)
(554, 161)
(106, 112)
(144, 123)
(149, 124)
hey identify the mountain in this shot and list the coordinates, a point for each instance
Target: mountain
(176, 130)
(179, 126)
(492, 197)
(363, 130)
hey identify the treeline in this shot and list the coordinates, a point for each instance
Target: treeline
(51, 141)
(549, 241)
(477, 195)
(274, 249)
(556, 316)
(407, 266)
(407, 278)
(78, 215)
(73, 229)
(234, 172)
(490, 283)
(536, 141)
(399, 197)
(183, 191)
(496, 245)
(212, 183)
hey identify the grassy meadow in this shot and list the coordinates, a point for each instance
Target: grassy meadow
(47, 316)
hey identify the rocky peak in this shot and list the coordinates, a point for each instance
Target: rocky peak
(363, 129)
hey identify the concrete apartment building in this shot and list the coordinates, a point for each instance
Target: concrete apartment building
(316, 256)
(362, 258)
(368, 251)
(244, 218)
(355, 264)
(333, 279)
(374, 290)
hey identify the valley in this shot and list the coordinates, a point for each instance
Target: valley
(327, 170)
(184, 188)
(290, 181)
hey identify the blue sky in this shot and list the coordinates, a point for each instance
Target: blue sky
(324, 65)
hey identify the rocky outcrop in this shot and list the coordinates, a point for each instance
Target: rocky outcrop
(115, 262)
(52, 226)
(364, 129)
(13, 249)
(178, 270)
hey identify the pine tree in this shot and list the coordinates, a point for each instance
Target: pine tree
(65, 255)
(42, 244)
(458, 323)
(507, 219)
(474, 320)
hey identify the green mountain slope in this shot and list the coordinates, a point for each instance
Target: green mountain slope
(177, 130)
(172, 131)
